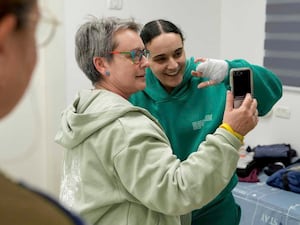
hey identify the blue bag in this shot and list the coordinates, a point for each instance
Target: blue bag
(287, 178)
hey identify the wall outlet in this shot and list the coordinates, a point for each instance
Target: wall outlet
(282, 112)
(115, 4)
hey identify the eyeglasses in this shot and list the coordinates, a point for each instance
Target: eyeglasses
(46, 27)
(135, 54)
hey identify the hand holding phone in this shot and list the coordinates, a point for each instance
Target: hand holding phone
(241, 82)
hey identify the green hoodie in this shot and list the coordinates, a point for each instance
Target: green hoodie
(188, 114)
(119, 167)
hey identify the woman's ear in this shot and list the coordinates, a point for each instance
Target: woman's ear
(100, 64)
(7, 27)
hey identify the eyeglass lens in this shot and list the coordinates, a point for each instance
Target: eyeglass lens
(138, 54)
(46, 27)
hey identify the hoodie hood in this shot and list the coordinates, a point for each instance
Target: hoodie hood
(90, 111)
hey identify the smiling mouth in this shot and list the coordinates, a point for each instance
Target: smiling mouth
(172, 74)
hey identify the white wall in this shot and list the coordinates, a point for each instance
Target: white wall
(242, 30)
(217, 29)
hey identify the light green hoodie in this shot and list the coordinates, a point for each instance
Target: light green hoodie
(119, 168)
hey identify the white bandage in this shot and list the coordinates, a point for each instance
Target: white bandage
(214, 69)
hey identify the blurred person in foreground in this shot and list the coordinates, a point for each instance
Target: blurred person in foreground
(21, 205)
(118, 164)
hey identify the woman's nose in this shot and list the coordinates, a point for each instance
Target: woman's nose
(172, 64)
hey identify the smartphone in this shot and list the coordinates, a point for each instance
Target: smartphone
(241, 82)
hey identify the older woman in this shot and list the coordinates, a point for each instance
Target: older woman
(18, 21)
(118, 165)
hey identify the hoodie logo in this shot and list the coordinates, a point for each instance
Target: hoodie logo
(197, 125)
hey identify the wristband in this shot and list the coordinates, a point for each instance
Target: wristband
(227, 127)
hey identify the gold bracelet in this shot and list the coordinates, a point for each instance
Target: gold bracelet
(227, 127)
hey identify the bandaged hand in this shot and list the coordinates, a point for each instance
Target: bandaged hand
(214, 69)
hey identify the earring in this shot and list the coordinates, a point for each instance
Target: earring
(107, 73)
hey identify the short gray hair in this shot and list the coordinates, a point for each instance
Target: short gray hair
(96, 38)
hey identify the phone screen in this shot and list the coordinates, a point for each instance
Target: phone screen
(241, 82)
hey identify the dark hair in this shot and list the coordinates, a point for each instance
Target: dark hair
(19, 8)
(154, 28)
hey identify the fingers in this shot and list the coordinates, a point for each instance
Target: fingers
(251, 105)
(255, 115)
(244, 118)
(206, 83)
(198, 73)
(229, 101)
(201, 59)
(213, 69)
